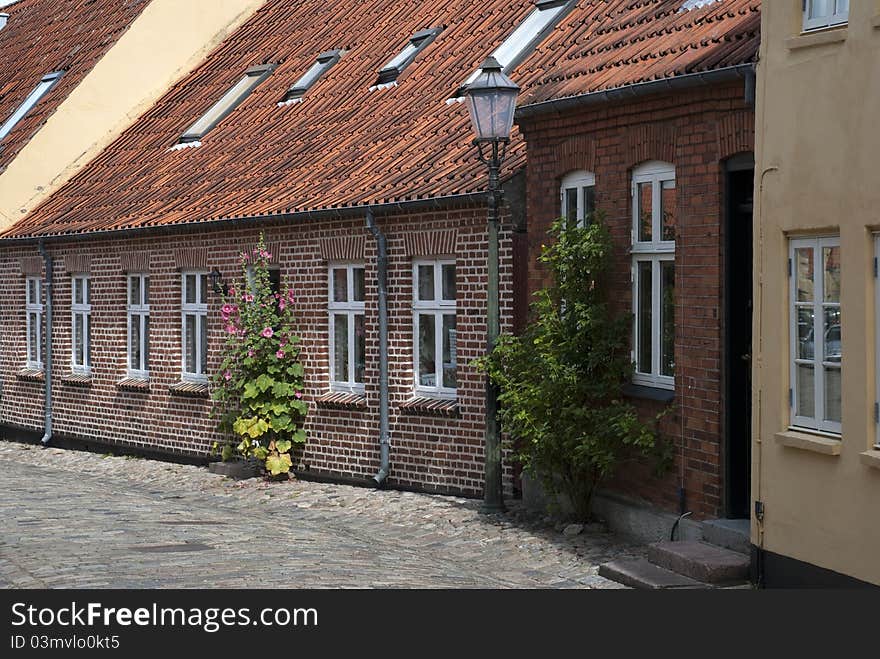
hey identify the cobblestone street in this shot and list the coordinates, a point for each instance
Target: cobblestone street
(73, 519)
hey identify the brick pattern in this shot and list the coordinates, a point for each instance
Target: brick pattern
(31, 265)
(135, 261)
(343, 248)
(430, 243)
(695, 131)
(78, 263)
(434, 453)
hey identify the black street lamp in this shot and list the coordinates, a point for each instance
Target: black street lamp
(491, 100)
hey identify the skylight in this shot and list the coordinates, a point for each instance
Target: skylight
(405, 57)
(320, 67)
(695, 4)
(528, 34)
(227, 103)
(33, 98)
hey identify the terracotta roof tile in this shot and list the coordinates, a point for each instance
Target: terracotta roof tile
(43, 36)
(347, 146)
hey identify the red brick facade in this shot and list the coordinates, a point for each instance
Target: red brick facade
(428, 451)
(695, 131)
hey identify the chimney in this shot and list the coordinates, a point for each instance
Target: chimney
(3, 18)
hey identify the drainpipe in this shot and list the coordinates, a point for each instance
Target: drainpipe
(382, 282)
(47, 364)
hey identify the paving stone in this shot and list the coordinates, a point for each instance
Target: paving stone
(639, 573)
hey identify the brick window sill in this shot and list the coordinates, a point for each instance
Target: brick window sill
(134, 384)
(77, 379)
(342, 400)
(824, 444)
(431, 406)
(648, 393)
(31, 375)
(191, 389)
(817, 38)
(871, 458)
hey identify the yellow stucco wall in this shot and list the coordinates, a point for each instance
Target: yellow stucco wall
(817, 157)
(165, 42)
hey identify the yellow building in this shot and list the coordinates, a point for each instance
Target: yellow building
(74, 76)
(816, 457)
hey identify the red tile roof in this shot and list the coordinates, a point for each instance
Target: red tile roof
(347, 146)
(43, 36)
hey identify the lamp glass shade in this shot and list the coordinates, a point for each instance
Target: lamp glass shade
(491, 100)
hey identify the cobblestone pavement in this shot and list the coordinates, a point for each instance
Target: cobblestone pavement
(71, 519)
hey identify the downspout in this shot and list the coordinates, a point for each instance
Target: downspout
(47, 364)
(382, 283)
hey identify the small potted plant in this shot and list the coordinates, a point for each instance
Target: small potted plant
(258, 389)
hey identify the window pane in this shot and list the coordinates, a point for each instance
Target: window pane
(805, 339)
(146, 290)
(203, 289)
(78, 347)
(449, 351)
(134, 290)
(643, 358)
(274, 280)
(831, 268)
(571, 203)
(832, 394)
(33, 342)
(819, 8)
(645, 210)
(340, 285)
(340, 347)
(589, 201)
(190, 289)
(134, 341)
(358, 284)
(668, 209)
(667, 318)
(78, 291)
(190, 343)
(146, 348)
(426, 282)
(842, 7)
(360, 345)
(427, 350)
(806, 391)
(448, 282)
(87, 322)
(833, 343)
(803, 258)
(203, 336)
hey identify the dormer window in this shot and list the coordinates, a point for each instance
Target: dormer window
(825, 13)
(32, 99)
(323, 64)
(523, 40)
(405, 57)
(227, 103)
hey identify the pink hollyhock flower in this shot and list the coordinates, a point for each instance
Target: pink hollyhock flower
(231, 290)
(251, 352)
(267, 333)
(227, 310)
(282, 304)
(230, 329)
(227, 376)
(299, 394)
(248, 297)
(280, 354)
(290, 296)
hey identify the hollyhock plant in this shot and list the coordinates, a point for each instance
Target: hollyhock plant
(258, 387)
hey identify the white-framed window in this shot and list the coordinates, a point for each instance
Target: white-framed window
(81, 326)
(653, 274)
(139, 325)
(825, 13)
(322, 64)
(34, 322)
(345, 306)
(417, 42)
(46, 83)
(194, 326)
(274, 273)
(577, 196)
(434, 333)
(815, 333)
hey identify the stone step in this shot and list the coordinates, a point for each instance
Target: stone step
(730, 533)
(640, 573)
(700, 561)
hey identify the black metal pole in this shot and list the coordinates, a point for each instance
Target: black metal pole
(493, 494)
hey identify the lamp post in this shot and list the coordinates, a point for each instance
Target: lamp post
(491, 100)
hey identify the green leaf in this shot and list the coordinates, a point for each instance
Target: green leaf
(260, 453)
(280, 423)
(278, 464)
(283, 446)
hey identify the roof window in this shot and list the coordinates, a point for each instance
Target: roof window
(322, 64)
(48, 81)
(227, 103)
(417, 42)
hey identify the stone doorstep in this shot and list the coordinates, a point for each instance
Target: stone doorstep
(731, 534)
(640, 573)
(700, 561)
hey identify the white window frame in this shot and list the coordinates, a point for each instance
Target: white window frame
(139, 309)
(838, 16)
(350, 309)
(655, 251)
(83, 309)
(438, 307)
(579, 180)
(817, 422)
(43, 87)
(200, 311)
(877, 341)
(34, 315)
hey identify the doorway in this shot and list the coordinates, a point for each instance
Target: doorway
(737, 323)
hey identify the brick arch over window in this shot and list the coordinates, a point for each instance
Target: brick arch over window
(575, 153)
(651, 142)
(736, 134)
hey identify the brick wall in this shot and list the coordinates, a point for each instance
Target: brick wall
(429, 452)
(695, 131)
